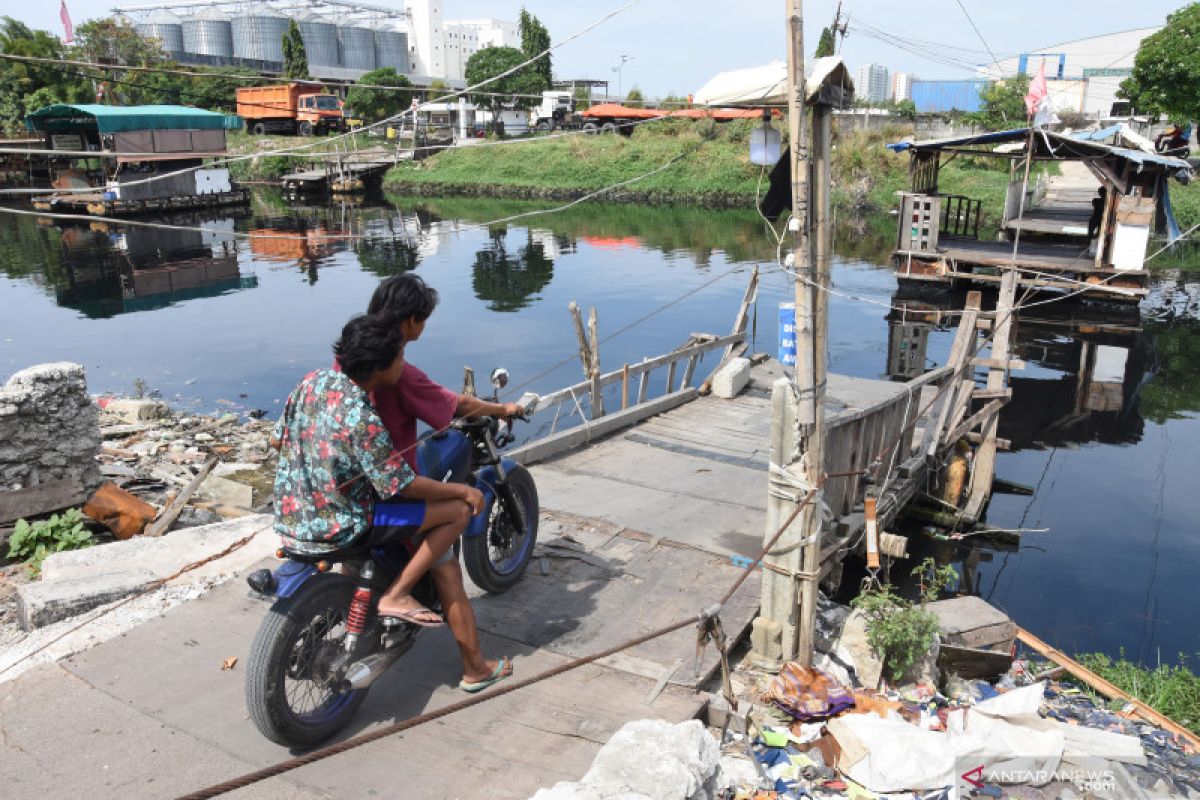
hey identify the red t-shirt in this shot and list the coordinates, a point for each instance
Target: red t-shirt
(414, 397)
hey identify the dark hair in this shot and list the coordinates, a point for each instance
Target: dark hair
(402, 296)
(367, 345)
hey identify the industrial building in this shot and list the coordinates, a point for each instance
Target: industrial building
(343, 38)
(1081, 75)
(873, 83)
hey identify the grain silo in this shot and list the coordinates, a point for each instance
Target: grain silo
(258, 33)
(391, 49)
(320, 40)
(356, 47)
(208, 33)
(164, 26)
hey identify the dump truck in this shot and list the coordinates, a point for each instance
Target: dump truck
(291, 108)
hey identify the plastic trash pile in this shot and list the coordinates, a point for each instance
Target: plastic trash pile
(1015, 738)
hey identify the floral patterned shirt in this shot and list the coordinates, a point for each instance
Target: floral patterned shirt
(335, 458)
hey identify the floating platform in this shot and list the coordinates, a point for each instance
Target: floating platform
(96, 204)
(347, 178)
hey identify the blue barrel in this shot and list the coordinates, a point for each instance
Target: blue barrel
(787, 333)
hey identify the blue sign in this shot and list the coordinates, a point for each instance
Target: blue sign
(787, 333)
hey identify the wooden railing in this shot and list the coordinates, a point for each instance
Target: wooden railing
(960, 216)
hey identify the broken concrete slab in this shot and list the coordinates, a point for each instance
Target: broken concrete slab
(40, 603)
(131, 410)
(163, 556)
(971, 621)
(226, 492)
(731, 378)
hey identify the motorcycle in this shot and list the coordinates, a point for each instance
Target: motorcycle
(322, 645)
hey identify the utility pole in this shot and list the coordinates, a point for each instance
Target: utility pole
(784, 631)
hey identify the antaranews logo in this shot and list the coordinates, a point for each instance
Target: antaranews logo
(1085, 780)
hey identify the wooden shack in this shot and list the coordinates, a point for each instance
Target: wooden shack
(1090, 226)
(134, 158)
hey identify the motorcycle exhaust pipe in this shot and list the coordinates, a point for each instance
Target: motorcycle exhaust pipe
(362, 673)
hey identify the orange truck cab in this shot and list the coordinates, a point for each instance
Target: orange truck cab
(291, 108)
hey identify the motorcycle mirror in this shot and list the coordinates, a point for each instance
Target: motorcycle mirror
(499, 377)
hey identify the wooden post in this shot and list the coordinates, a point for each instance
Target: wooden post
(594, 348)
(624, 387)
(585, 353)
(785, 629)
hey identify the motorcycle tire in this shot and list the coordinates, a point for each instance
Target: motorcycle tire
(497, 559)
(295, 630)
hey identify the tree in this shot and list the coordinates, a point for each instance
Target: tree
(376, 104)
(114, 41)
(295, 57)
(536, 39)
(906, 109)
(513, 91)
(217, 89)
(1166, 69)
(26, 87)
(825, 45)
(634, 98)
(1003, 105)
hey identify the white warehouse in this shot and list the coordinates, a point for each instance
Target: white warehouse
(1081, 75)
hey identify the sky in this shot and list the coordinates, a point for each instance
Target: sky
(677, 45)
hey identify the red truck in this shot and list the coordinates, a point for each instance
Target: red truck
(290, 108)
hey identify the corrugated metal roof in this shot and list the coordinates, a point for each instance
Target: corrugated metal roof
(1052, 142)
(110, 119)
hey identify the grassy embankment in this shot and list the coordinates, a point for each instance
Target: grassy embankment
(1172, 690)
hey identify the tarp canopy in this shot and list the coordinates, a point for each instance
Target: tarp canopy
(1062, 146)
(111, 119)
(767, 85)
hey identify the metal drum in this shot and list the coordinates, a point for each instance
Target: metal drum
(208, 33)
(391, 49)
(258, 34)
(357, 47)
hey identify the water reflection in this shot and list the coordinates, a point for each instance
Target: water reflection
(1085, 367)
(103, 271)
(509, 282)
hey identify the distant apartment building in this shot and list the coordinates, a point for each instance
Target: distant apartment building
(902, 86)
(872, 84)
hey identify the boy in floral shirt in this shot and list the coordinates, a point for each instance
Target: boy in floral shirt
(336, 458)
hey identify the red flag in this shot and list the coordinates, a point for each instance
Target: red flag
(1037, 92)
(69, 29)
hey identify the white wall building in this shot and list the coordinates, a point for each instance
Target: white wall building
(1091, 69)
(872, 84)
(440, 48)
(902, 86)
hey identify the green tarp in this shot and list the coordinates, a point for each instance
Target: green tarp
(110, 119)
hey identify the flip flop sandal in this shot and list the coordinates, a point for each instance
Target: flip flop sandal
(498, 674)
(413, 615)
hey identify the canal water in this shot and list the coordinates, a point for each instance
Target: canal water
(1104, 421)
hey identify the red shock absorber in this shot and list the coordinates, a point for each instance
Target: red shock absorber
(360, 606)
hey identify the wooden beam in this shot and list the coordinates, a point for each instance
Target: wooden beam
(1105, 687)
(985, 456)
(964, 339)
(171, 513)
(563, 441)
(975, 419)
(594, 367)
(41, 498)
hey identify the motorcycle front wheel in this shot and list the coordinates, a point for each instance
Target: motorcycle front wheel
(294, 693)
(497, 559)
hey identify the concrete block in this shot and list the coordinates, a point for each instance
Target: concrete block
(971, 622)
(731, 378)
(42, 602)
(227, 492)
(131, 411)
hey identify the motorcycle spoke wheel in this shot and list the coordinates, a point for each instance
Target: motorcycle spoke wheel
(309, 685)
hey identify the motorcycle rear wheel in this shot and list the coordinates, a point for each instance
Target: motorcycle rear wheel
(497, 559)
(293, 697)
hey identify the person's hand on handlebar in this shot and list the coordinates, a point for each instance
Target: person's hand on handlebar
(512, 410)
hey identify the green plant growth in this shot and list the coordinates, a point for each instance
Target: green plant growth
(1166, 69)
(295, 57)
(899, 631)
(635, 99)
(32, 542)
(513, 91)
(825, 45)
(1003, 105)
(379, 104)
(1170, 689)
(535, 39)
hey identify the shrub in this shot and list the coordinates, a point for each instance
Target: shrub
(32, 542)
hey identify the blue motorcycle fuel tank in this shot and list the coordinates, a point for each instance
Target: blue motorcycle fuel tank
(445, 454)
